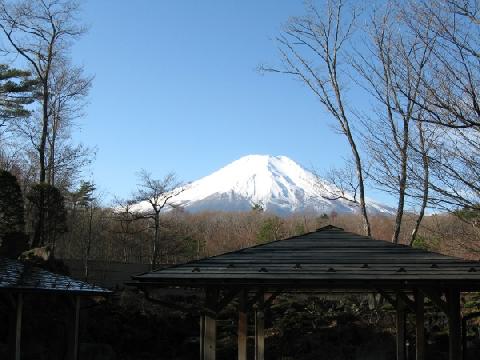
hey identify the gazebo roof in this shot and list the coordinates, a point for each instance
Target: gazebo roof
(329, 258)
(16, 276)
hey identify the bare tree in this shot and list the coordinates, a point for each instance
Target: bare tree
(126, 225)
(392, 67)
(69, 89)
(40, 32)
(450, 86)
(312, 49)
(450, 96)
(341, 183)
(85, 199)
(157, 193)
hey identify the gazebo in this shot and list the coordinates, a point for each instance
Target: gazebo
(327, 260)
(19, 280)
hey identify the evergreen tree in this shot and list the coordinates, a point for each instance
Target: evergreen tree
(13, 240)
(258, 207)
(53, 212)
(17, 91)
(270, 230)
(11, 205)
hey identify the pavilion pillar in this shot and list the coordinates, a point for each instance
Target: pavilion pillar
(260, 330)
(208, 327)
(208, 337)
(454, 325)
(73, 329)
(15, 327)
(401, 329)
(420, 325)
(242, 326)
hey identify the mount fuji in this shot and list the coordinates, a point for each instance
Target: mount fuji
(277, 183)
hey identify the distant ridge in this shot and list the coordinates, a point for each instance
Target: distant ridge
(277, 183)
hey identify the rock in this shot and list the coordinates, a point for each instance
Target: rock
(93, 351)
(41, 253)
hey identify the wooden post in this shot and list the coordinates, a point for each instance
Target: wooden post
(400, 329)
(15, 327)
(18, 326)
(454, 325)
(420, 325)
(260, 330)
(210, 338)
(202, 337)
(208, 326)
(74, 323)
(242, 326)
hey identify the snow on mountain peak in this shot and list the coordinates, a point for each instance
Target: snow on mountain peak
(278, 183)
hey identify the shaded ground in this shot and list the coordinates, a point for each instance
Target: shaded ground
(128, 327)
(300, 328)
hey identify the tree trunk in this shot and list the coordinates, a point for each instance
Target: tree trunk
(361, 185)
(155, 241)
(51, 157)
(356, 156)
(37, 237)
(402, 183)
(426, 179)
(89, 242)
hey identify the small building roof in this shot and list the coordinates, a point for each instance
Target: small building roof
(17, 276)
(329, 258)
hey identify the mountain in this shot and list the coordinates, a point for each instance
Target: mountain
(277, 183)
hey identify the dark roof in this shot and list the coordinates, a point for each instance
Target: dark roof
(328, 258)
(22, 277)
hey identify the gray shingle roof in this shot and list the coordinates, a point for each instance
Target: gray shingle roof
(22, 277)
(327, 258)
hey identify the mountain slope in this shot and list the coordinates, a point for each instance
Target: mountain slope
(278, 183)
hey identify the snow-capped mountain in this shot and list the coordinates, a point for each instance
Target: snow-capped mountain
(277, 183)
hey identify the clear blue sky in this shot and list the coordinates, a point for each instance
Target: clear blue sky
(176, 89)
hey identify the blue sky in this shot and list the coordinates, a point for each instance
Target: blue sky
(176, 89)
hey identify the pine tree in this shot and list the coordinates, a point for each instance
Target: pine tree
(17, 91)
(13, 240)
(47, 201)
(11, 205)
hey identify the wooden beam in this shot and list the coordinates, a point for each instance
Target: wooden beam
(401, 327)
(436, 297)
(260, 330)
(242, 334)
(387, 297)
(273, 296)
(407, 301)
(255, 299)
(227, 298)
(420, 325)
(454, 325)
(73, 325)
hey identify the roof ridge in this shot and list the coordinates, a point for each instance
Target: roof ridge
(329, 227)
